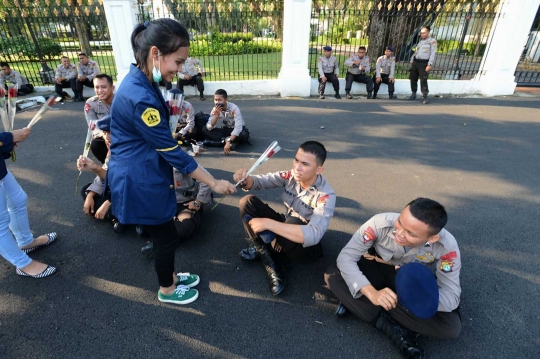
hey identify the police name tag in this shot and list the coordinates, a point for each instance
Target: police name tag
(151, 117)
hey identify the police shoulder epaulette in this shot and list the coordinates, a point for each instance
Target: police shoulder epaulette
(384, 220)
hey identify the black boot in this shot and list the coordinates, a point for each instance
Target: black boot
(374, 96)
(340, 311)
(403, 338)
(349, 97)
(249, 254)
(426, 99)
(391, 96)
(321, 96)
(213, 143)
(369, 95)
(201, 97)
(337, 96)
(148, 250)
(275, 277)
(413, 96)
(140, 231)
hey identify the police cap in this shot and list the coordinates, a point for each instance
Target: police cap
(390, 48)
(327, 48)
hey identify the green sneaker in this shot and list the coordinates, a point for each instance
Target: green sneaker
(187, 279)
(181, 295)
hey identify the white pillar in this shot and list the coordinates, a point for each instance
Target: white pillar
(121, 19)
(294, 76)
(505, 44)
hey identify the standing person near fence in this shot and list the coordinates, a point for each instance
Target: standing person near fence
(65, 77)
(86, 72)
(421, 62)
(143, 152)
(328, 71)
(14, 217)
(12, 76)
(384, 72)
(358, 68)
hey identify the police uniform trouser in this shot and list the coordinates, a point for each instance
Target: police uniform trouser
(25, 89)
(418, 69)
(442, 325)
(295, 251)
(165, 238)
(329, 78)
(365, 79)
(219, 133)
(192, 134)
(195, 80)
(186, 220)
(64, 85)
(385, 79)
(79, 84)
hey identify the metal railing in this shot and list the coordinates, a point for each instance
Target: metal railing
(528, 69)
(234, 40)
(34, 35)
(461, 28)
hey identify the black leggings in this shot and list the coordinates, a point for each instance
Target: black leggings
(165, 238)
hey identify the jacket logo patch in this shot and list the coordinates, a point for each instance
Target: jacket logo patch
(369, 235)
(446, 266)
(449, 256)
(87, 107)
(151, 117)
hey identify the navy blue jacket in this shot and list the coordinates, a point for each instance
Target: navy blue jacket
(143, 153)
(6, 146)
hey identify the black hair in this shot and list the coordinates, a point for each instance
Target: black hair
(362, 48)
(105, 76)
(221, 92)
(426, 27)
(430, 212)
(167, 35)
(2, 64)
(315, 148)
(64, 57)
(83, 54)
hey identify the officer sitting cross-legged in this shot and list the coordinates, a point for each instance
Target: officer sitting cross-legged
(383, 277)
(309, 202)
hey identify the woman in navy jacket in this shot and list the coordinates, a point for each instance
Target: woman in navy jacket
(14, 217)
(144, 152)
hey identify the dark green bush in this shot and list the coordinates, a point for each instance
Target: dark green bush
(24, 48)
(205, 48)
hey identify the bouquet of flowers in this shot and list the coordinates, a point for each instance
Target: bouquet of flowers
(46, 107)
(175, 100)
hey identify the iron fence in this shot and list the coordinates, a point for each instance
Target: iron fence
(461, 28)
(528, 69)
(34, 35)
(234, 40)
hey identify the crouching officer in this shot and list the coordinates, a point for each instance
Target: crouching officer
(309, 202)
(365, 279)
(328, 71)
(192, 197)
(385, 72)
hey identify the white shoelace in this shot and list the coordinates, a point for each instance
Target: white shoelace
(183, 276)
(181, 290)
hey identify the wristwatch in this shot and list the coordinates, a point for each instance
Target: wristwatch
(196, 204)
(228, 139)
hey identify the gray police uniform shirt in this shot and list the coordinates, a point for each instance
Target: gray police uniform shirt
(314, 205)
(377, 232)
(355, 69)
(327, 65)
(187, 118)
(191, 68)
(94, 110)
(90, 70)
(98, 185)
(230, 118)
(188, 189)
(69, 73)
(14, 78)
(425, 50)
(385, 65)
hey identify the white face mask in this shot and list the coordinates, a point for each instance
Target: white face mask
(156, 73)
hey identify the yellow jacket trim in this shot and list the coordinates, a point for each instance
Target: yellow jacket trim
(166, 149)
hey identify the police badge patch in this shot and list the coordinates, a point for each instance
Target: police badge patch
(369, 235)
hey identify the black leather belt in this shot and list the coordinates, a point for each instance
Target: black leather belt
(421, 61)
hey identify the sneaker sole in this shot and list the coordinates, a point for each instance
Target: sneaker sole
(187, 301)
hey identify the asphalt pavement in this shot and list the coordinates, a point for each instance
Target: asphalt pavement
(478, 156)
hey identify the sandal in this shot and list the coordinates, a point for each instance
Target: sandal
(50, 270)
(52, 237)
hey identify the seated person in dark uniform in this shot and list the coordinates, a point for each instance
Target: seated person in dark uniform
(296, 235)
(365, 279)
(12, 76)
(86, 72)
(384, 72)
(226, 127)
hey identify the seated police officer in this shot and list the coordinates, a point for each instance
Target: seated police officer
(226, 127)
(7, 75)
(309, 202)
(365, 279)
(359, 66)
(385, 72)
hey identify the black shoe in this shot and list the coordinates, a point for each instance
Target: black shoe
(140, 232)
(148, 250)
(426, 100)
(369, 95)
(249, 254)
(413, 96)
(233, 146)
(213, 143)
(202, 98)
(391, 96)
(321, 96)
(349, 97)
(340, 311)
(337, 96)
(275, 277)
(118, 227)
(374, 97)
(403, 338)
